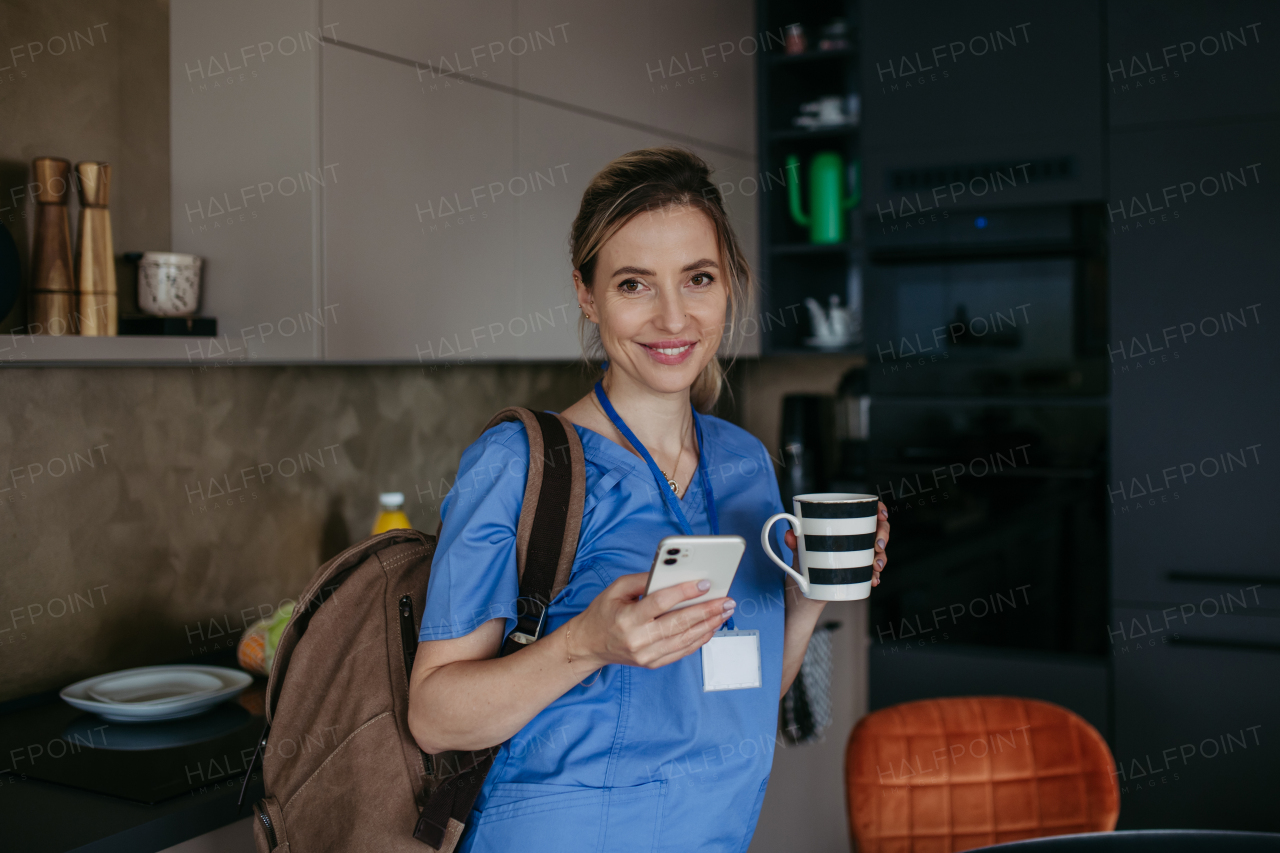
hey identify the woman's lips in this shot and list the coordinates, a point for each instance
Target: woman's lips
(669, 352)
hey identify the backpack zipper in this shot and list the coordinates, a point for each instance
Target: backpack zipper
(271, 830)
(409, 645)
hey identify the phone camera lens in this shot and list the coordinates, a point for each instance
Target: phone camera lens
(670, 561)
(673, 551)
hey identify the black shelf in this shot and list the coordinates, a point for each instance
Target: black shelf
(810, 248)
(855, 351)
(791, 268)
(805, 133)
(812, 56)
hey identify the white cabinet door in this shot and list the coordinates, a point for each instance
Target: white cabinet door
(420, 229)
(459, 39)
(247, 171)
(356, 204)
(686, 70)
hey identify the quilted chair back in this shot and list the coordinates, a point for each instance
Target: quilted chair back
(942, 775)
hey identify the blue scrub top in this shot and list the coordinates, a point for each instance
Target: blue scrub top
(638, 759)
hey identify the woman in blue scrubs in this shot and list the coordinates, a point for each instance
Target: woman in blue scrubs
(610, 741)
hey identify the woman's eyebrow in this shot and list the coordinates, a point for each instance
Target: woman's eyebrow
(701, 263)
(632, 271)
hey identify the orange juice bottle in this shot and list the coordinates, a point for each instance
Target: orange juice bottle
(390, 513)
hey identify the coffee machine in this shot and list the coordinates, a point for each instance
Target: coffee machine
(824, 439)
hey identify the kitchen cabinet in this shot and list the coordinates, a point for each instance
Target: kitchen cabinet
(1193, 359)
(1195, 723)
(434, 221)
(953, 93)
(428, 33)
(684, 71)
(247, 173)
(1189, 61)
(1194, 356)
(413, 259)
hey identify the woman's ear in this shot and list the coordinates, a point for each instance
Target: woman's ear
(586, 300)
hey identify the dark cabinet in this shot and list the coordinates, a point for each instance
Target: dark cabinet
(1194, 362)
(989, 105)
(1194, 356)
(1188, 61)
(1196, 716)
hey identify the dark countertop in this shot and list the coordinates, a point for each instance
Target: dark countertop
(43, 817)
(59, 794)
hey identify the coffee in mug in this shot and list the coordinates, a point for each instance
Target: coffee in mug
(836, 535)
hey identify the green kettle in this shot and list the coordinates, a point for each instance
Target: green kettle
(827, 201)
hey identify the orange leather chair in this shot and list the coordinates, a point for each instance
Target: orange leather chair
(943, 775)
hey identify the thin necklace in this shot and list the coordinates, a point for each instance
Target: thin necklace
(671, 479)
(675, 487)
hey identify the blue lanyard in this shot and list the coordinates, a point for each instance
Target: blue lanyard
(668, 496)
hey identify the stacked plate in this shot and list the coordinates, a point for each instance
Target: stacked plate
(150, 693)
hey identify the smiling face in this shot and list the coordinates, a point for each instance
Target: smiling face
(659, 296)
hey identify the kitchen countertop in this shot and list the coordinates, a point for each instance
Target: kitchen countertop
(44, 817)
(57, 794)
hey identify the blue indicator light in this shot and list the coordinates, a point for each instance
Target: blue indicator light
(980, 222)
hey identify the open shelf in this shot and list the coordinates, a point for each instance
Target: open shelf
(792, 268)
(805, 133)
(812, 56)
(34, 350)
(810, 248)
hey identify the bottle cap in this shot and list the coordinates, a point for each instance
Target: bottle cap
(391, 499)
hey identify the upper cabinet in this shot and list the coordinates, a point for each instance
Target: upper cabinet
(247, 172)
(455, 143)
(444, 39)
(1190, 61)
(419, 236)
(953, 92)
(682, 70)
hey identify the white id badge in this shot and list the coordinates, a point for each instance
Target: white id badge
(731, 661)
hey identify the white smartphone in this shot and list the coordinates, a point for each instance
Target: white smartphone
(695, 558)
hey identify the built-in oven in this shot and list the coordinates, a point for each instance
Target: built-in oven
(999, 536)
(998, 302)
(987, 440)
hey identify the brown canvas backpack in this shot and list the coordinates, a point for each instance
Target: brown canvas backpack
(340, 768)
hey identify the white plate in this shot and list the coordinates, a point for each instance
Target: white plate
(109, 695)
(152, 686)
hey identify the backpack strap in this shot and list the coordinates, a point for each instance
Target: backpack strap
(550, 517)
(546, 543)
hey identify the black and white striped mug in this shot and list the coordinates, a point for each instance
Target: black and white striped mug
(836, 533)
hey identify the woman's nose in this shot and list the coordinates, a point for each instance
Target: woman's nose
(671, 312)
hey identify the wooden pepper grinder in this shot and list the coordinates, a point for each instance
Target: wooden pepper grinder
(95, 259)
(53, 286)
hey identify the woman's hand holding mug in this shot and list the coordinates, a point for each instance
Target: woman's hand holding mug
(839, 543)
(621, 626)
(882, 542)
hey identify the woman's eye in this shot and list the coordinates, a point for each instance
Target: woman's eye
(630, 286)
(701, 280)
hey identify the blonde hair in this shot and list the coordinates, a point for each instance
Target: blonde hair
(659, 179)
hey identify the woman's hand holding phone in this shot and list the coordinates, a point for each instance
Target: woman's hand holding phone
(621, 626)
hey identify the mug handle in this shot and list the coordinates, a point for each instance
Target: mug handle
(764, 541)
